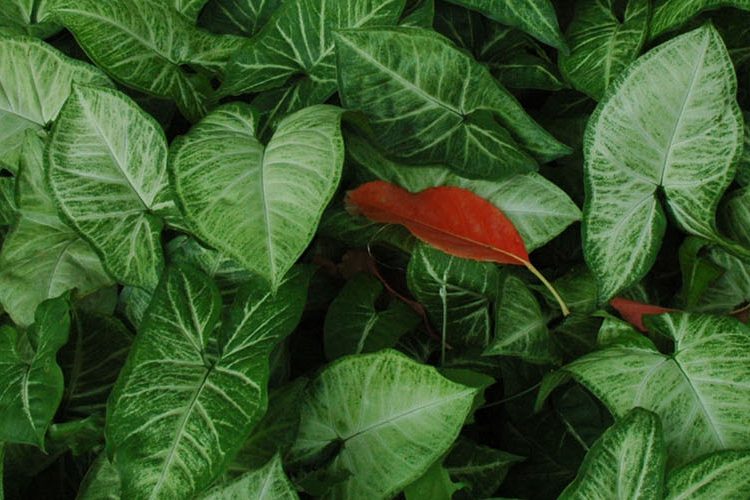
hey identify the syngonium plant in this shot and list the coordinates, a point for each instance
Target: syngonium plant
(360, 249)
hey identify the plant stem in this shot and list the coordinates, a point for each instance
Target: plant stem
(540, 276)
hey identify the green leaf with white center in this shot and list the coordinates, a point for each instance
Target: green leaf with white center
(627, 461)
(238, 17)
(536, 17)
(386, 417)
(107, 169)
(259, 205)
(448, 109)
(671, 14)
(31, 382)
(42, 257)
(353, 325)
(539, 209)
(146, 46)
(35, 81)
(701, 392)
(22, 17)
(669, 124)
(191, 391)
(459, 294)
(520, 327)
(266, 483)
(718, 475)
(481, 468)
(601, 45)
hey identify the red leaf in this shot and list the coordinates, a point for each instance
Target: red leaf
(633, 312)
(452, 219)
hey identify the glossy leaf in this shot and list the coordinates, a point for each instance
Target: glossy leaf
(601, 45)
(700, 391)
(682, 138)
(42, 257)
(671, 14)
(413, 415)
(627, 461)
(718, 475)
(266, 483)
(259, 205)
(448, 109)
(35, 81)
(31, 380)
(633, 312)
(191, 392)
(107, 169)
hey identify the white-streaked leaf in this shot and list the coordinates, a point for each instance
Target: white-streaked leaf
(601, 45)
(539, 209)
(701, 392)
(35, 81)
(189, 8)
(536, 17)
(481, 468)
(237, 17)
(259, 205)
(22, 17)
(627, 461)
(107, 168)
(190, 392)
(671, 14)
(31, 382)
(266, 483)
(386, 417)
(718, 475)
(670, 124)
(42, 256)
(101, 482)
(8, 207)
(448, 109)
(435, 484)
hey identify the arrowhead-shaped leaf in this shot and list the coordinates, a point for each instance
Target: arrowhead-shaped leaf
(190, 392)
(107, 168)
(267, 483)
(481, 468)
(259, 205)
(680, 135)
(386, 418)
(718, 475)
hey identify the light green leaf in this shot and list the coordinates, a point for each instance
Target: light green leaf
(435, 484)
(22, 17)
(669, 124)
(189, 8)
(353, 325)
(8, 206)
(190, 392)
(520, 327)
(627, 461)
(386, 418)
(35, 81)
(601, 45)
(107, 168)
(539, 209)
(266, 483)
(671, 14)
(536, 17)
(258, 205)
(238, 17)
(448, 109)
(147, 47)
(31, 380)
(701, 392)
(481, 468)
(719, 475)
(42, 257)
(101, 482)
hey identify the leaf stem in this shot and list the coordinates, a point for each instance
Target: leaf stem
(540, 276)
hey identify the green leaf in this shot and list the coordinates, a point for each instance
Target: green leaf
(698, 273)
(448, 109)
(354, 324)
(148, 47)
(602, 46)
(627, 461)
(719, 475)
(266, 483)
(259, 205)
(238, 17)
(680, 136)
(2, 460)
(419, 13)
(22, 17)
(107, 169)
(700, 391)
(539, 210)
(361, 232)
(386, 418)
(101, 482)
(670, 14)
(189, 8)
(42, 257)
(31, 380)
(8, 207)
(435, 484)
(536, 17)
(481, 468)
(520, 327)
(190, 392)
(35, 82)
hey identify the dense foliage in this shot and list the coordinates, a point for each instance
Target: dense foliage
(367, 249)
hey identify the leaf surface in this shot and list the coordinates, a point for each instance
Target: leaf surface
(22, 17)
(481, 468)
(267, 483)
(671, 14)
(238, 17)
(633, 312)
(718, 475)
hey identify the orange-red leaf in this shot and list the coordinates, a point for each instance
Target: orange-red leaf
(633, 312)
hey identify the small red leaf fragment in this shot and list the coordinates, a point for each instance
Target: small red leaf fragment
(633, 312)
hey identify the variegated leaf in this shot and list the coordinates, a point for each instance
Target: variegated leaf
(718, 475)
(267, 483)
(671, 14)
(22, 17)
